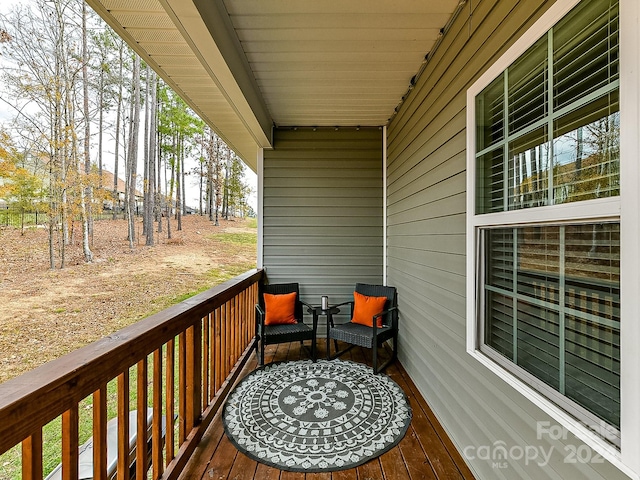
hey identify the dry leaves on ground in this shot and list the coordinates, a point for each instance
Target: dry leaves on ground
(46, 313)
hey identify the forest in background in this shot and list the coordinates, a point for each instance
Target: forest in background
(80, 99)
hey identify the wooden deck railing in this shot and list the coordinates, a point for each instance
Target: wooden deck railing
(192, 350)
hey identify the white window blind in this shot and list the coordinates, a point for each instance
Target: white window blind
(547, 129)
(553, 308)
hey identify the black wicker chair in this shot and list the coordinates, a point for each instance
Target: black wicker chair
(272, 334)
(365, 336)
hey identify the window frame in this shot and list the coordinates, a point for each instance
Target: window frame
(623, 209)
(553, 394)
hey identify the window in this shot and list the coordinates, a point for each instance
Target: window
(544, 215)
(552, 307)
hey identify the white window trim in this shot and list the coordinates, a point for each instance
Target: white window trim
(630, 232)
(626, 208)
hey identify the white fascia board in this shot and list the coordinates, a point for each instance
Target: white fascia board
(226, 69)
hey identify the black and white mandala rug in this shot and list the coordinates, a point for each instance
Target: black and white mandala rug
(316, 417)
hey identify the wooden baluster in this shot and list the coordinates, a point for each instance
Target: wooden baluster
(243, 320)
(141, 437)
(205, 363)
(224, 353)
(248, 311)
(211, 348)
(237, 333)
(70, 444)
(232, 334)
(228, 345)
(156, 447)
(247, 317)
(100, 433)
(217, 347)
(123, 426)
(170, 392)
(240, 322)
(32, 457)
(194, 376)
(248, 324)
(182, 388)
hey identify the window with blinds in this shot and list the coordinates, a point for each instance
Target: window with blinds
(547, 132)
(552, 299)
(547, 129)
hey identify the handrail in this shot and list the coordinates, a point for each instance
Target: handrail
(201, 339)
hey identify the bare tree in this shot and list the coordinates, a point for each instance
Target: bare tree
(86, 192)
(151, 157)
(132, 153)
(119, 106)
(43, 78)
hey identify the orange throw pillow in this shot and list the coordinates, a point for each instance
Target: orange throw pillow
(280, 309)
(366, 307)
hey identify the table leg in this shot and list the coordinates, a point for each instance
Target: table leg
(328, 341)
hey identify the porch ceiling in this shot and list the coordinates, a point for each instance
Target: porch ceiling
(245, 65)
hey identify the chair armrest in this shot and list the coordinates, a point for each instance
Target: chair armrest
(260, 316)
(384, 313)
(350, 302)
(310, 309)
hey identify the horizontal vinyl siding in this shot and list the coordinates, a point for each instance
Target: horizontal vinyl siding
(323, 210)
(426, 183)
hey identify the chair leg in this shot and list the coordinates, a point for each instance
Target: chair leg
(395, 347)
(375, 358)
(389, 361)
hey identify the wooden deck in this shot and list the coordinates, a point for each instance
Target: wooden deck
(425, 452)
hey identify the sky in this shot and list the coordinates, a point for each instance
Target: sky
(7, 114)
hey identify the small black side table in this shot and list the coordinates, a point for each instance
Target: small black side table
(329, 313)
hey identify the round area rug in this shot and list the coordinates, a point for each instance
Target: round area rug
(316, 417)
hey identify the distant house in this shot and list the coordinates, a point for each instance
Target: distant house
(38, 164)
(107, 186)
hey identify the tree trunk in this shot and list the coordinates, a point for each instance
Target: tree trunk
(184, 183)
(152, 159)
(133, 151)
(170, 197)
(85, 191)
(145, 174)
(100, 123)
(116, 195)
(179, 182)
(227, 178)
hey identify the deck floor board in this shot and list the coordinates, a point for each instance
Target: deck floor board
(425, 453)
